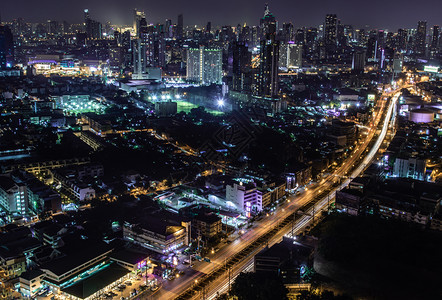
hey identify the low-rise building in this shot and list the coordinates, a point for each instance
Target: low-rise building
(30, 283)
(288, 259)
(13, 196)
(16, 245)
(156, 234)
(349, 201)
(409, 167)
(388, 207)
(207, 224)
(77, 181)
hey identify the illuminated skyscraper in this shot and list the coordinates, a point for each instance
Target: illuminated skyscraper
(266, 84)
(290, 55)
(155, 50)
(241, 67)
(139, 59)
(420, 37)
(434, 49)
(358, 62)
(330, 32)
(402, 38)
(92, 28)
(138, 16)
(86, 15)
(204, 65)
(268, 24)
(288, 32)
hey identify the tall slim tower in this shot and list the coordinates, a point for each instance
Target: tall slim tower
(268, 24)
(86, 15)
(267, 79)
(6, 47)
(420, 37)
(434, 49)
(138, 16)
(241, 67)
(330, 31)
(180, 26)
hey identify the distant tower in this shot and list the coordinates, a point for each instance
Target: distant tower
(204, 65)
(268, 24)
(6, 47)
(138, 16)
(267, 79)
(420, 37)
(180, 26)
(241, 67)
(434, 49)
(86, 15)
(330, 32)
(358, 63)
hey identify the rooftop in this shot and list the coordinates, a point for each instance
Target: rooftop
(96, 282)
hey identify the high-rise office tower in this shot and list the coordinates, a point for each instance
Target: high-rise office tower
(155, 51)
(310, 47)
(420, 37)
(180, 27)
(300, 36)
(341, 38)
(53, 27)
(398, 61)
(93, 28)
(127, 48)
(435, 39)
(245, 35)
(139, 59)
(204, 65)
(268, 24)
(294, 56)
(288, 32)
(381, 38)
(209, 27)
(358, 62)
(372, 45)
(330, 32)
(86, 15)
(168, 30)
(267, 80)
(116, 58)
(290, 55)
(6, 47)
(138, 16)
(241, 67)
(142, 27)
(402, 38)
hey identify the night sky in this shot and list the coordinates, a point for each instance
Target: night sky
(388, 14)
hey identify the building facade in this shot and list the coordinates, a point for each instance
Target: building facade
(204, 65)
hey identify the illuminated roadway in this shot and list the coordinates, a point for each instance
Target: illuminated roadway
(261, 227)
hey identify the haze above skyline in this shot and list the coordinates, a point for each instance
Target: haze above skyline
(389, 14)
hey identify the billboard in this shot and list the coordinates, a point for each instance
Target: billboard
(431, 69)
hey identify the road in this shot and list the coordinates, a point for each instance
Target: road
(321, 193)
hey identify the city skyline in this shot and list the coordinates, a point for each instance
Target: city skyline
(378, 15)
(220, 150)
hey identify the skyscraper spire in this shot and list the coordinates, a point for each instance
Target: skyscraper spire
(266, 10)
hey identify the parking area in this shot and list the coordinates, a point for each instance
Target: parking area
(133, 287)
